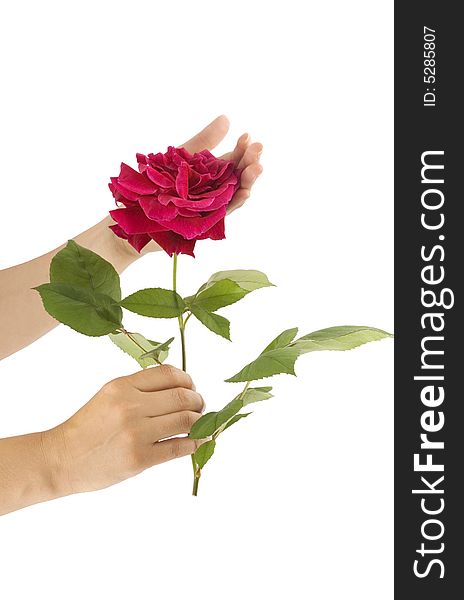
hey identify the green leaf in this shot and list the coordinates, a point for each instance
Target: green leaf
(277, 359)
(155, 302)
(157, 349)
(212, 321)
(211, 422)
(204, 453)
(247, 279)
(80, 267)
(273, 362)
(86, 311)
(137, 348)
(219, 294)
(282, 340)
(234, 420)
(226, 287)
(339, 338)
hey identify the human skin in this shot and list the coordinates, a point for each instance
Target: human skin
(22, 316)
(120, 432)
(125, 427)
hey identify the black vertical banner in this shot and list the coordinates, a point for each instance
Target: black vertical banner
(429, 359)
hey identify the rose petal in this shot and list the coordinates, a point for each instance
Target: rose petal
(198, 180)
(173, 243)
(217, 232)
(207, 204)
(182, 181)
(185, 154)
(133, 220)
(137, 241)
(134, 181)
(191, 228)
(166, 198)
(161, 179)
(125, 193)
(157, 211)
(210, 193)
(142, 161)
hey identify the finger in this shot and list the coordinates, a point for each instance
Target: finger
(236, 155)
(174, 448)
(251, 155)
(165, 377)
(239, 200)
(168, 426)
(209, 137)
(250, 175)
(177, 399)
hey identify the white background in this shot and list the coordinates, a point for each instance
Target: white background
(298, 500)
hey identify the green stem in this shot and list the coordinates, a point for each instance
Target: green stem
(196, 476)
(243, 392)
(196, 470)
(196, 481)
(180, 319)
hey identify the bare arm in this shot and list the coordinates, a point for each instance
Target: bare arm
(22, 316)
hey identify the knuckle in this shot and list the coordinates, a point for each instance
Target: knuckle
(186, 420)
(180, 398)
(169, 372)
(114, 387)
(122, 410)
(175, 376)
(176, 449)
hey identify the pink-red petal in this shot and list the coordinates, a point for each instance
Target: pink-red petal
(134, 181)
(182, 181)
(138, 241)
(161, 179)
(133, 220)
(191, 228)
(157, 211)
(173, 243)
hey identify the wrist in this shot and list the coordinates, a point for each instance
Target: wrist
(118, 251)
(55, 463)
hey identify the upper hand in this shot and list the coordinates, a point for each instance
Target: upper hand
(245, 154)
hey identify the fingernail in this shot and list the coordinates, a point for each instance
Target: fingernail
(245, 138)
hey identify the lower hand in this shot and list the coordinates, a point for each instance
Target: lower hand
(131, 424)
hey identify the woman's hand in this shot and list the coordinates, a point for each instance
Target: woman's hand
(124, 428)
(131, 424)
(245, 154)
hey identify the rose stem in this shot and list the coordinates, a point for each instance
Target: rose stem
(196, 480)
(197, 471)
(180, 319)
(184, 361)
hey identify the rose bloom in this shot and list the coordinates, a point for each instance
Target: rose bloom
(175, 199)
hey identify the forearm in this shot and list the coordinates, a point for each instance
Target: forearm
(30, 470)
(22, 316)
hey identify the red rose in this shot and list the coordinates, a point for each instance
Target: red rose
(176, 199)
